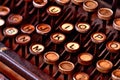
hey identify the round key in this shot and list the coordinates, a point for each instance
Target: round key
(85, 58)
(116, 74)
(66, 67)
(23, 39)
(81, 76)
(4, 10)
(116, 24)
(39, 3)
(66, 27)
(10, 31)
(72, 47)
(77, 2)
(15, 19)
(98, 37)
(90, 5)
(105, 13)
(62, 2)
(104, 66)
(43, 29)
(2, 77)
(82, 27)
(27, 28)
(36, 49)
(2, 22)
(54, 10)
(51, 57)
(113, 46)
(57, 38)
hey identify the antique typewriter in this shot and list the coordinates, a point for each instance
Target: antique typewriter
(59, 40)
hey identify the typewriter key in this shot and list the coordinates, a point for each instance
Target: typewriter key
(85, 58)
(77, 2)
(57, 38)
(72, 47)
(105, 13)
(66, 67)
(51, 57)
(98, 37)
(15, 19)
(62, 2)
(113, 46)
(82, 27)
(54, 10)
(2, 22)
(116, 74)
(66, 27)
(10, 31)
(104, 66)
(35, 50)
(90, 5)
(23, 39)
(27, 28)
(4, 10)
(81, 76)
(43, 29)
(39, 3)
(116, 24)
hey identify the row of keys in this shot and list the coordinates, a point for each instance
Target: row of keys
(66, 67)
(83, 76)
(57, 38)
(90, 6)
